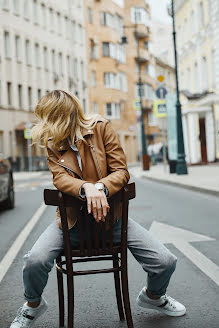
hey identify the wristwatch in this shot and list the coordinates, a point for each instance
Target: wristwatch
(99, 186)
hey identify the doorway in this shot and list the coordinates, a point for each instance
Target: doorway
(202, 138)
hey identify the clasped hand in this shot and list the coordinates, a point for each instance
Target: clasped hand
(97, 203)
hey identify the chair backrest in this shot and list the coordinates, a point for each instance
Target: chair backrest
(94, 238)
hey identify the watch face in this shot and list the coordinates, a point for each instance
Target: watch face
(99, 186)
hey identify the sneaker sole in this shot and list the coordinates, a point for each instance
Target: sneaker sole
(153, 307)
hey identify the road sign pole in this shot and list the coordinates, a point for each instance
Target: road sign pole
(29, 149)
(164, 146)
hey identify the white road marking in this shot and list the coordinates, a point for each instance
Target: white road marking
(18, 243)
(180, 238)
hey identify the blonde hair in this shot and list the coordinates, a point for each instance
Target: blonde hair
(60, 116)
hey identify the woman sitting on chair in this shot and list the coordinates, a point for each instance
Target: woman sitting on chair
(87, 160)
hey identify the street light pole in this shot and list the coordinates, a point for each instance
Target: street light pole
(145, 157)
(181, 167)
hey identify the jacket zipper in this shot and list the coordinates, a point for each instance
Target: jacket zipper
(70, 170)
(95, 155)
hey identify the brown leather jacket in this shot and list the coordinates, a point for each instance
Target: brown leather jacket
(103, 160)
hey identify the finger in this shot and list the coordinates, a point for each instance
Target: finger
(94, 209)
(89, 205)
(104, 206)
(99, 210)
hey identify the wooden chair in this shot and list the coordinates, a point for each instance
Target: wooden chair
(93, 247)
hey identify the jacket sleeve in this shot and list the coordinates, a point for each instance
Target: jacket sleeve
(61, 179)
(116, 161)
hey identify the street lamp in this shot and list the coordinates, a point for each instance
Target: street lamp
(145, 157)
(181, 167)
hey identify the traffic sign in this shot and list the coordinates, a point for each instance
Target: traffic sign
(161, 92)
(27, 134)
(160, 109)
(136, 104)
(160, 78)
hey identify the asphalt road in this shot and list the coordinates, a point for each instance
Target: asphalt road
(95, 304)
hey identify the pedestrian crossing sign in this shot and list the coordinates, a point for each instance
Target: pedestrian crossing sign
(160, 109)
(27, 134)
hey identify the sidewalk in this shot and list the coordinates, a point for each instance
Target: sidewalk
(19, 176)
(203, 178)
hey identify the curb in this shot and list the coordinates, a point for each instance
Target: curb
(184, 186)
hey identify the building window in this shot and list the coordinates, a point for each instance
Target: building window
(60, 64)
(53, 60)
(193, 23)
(43, 11)
(59, 23)
(66, 28)
(82, 71)
(37, 55)
(93, 78)
(76, 68)
(185, 30)
(17, 48)
(7, 44)
(45, 58)
(115, 81)
(68, 64)
(95, 107)
(90, 15)
(39, 94)
(201, 15)
(20, 98)
(27, 52)
(112, 111)
(29, 97)
(115, 51)
(204, 74)
(16, 7)
(5, 4)
(1, 141)
(9, 93)
(213, 63)
(189, 80)
(51, 18)
(140, 16)
(93, 49)
(35, 12)
(26, 9)
(146, 90)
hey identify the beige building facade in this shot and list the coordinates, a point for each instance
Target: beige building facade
(113, 66)
(43, 48)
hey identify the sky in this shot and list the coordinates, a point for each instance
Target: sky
(159, 10)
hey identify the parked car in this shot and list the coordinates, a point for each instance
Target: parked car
(6, 184)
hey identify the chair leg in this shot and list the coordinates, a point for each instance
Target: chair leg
(70, 287)
(126, 300)
(61, 297)
(118, 289)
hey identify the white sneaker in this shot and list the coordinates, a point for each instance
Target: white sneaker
(164, 304)
(26, 315)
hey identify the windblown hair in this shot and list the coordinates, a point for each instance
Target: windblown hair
(60, 116)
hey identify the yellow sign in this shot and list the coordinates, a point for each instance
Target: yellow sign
(27, 134)
(160, 78)
(136, 104)
(160, 109)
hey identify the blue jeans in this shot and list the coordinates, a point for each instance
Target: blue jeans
(153, 256)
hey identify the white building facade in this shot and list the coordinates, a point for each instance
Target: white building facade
(198, 49)
(43, 48)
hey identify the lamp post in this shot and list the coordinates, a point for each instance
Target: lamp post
(145, 156)
(181, 167)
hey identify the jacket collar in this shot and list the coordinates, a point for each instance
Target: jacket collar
(65, 144)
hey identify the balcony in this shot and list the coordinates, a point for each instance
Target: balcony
(142, 31)
(143, 56)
